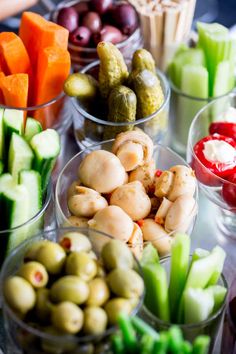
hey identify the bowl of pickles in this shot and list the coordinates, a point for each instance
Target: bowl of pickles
(63, 291)
(115, 95)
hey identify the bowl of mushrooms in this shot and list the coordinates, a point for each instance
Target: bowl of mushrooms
(130, 189)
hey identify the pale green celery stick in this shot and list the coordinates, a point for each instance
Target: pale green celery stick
(201, 345)
(198, 254)
(179, 269)
(219, 266)
(156, 297)
(198, 305)
(222, 79)
(219, 292)
(192, 56)
(149, 255)
(194, 83)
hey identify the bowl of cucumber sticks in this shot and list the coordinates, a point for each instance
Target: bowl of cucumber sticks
(27, 157)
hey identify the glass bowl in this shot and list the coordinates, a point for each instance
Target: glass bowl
(164, 159)
(44, 219)
(210, 184)
(208, 327)
(27, 339)
(82, 56)
(89, 129)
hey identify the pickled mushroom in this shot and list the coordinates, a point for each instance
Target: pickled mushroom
(145, 174)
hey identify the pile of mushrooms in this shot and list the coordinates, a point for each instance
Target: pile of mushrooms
(122, 194)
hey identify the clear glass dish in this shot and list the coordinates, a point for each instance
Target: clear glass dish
(210, 184)
(164, 159)
(23, 338)
(89, 129)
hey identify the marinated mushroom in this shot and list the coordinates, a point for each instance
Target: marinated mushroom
(163, 184)
(145, 174)
(77, 221)
(72, 189)
(180, 214)
(125, 147)
(113, 221)
(136, 241)
(102, 171)
(157, 235)
(132, 198)
(86, 202)
(162, 211)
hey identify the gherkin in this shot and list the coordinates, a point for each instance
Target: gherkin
(113, 70)
(82, 86)
(142, 59)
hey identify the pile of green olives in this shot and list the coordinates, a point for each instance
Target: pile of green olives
(68, 288)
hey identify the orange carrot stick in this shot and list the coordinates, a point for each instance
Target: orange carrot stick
(15, 90)
(14, 57)
(1, 94)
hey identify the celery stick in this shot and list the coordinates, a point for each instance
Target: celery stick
(143, 328)
(222, 79)
(198, 305)
(117, 344)
(175, 339)
(149, 255)
(1, 167)
(146, 344)
(219, 265)
(179, 269)
(201, 345)
(186, 348)
(219, 293)
(128, 332)
(194, 81)
(198, 254)
(156, 298)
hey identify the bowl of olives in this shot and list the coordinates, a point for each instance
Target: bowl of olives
(92, 21)
(63, 290)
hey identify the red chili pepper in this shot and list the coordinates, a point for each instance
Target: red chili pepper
(223, 128)
(229, 191)
(140, 222)
(219, 169)
(158, 173)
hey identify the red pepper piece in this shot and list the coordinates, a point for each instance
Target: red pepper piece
(158, 173)
(203, 167)
(140, 222)
(229, 191)
(223, 128)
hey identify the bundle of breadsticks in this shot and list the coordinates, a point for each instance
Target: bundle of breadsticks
(165, 24)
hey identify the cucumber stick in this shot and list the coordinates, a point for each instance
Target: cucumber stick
(32, 182)
(32, 128)
(1, 134)
(20, 156)
(13, 122)
(46, 147)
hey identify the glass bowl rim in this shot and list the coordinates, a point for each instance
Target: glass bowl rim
(190, 325)
(38, 332)
(87, 115)
(92, 147)
(48, 198)
(191, 147)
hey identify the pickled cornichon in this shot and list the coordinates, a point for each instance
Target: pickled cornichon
(113, 70)
(142, 59)
(82, 86)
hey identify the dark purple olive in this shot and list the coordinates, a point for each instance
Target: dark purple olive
(81, 36)
(68, 18)
(81, 7)
(125, 18)
(92, 21)
(108, 34)
(101, 6)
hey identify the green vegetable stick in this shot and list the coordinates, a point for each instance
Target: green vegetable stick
(156, 299)
(146, 344)
(161, 345)
(179, 269)
(149, 255)
(201, 345)
(198, 254)
(1, 167)
(143, 328)
(186, 348)
(219, 265)
(175, 340)
(219, 293)
(117, 344)
(198, 305)
(129, 336)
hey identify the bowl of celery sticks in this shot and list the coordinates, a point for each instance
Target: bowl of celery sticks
(188, 290)
(198, 75)
(27, 157)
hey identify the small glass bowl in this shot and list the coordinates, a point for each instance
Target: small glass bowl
(210, 184)
(82, 56)
(44, 219)
(164, 159)
(27, 339)
(89, 129)
(208, 327)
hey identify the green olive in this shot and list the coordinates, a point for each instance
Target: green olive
(75, 241)
(31, 252)
(35, 273)
(95, 320)
(43, 305)
(116, 254)
(52, 256)
(125, 283)
(99, 292)
(101, 273)
(67, 317)
(70, 288)
(82, 265)
(19, 294)
(115, 306)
